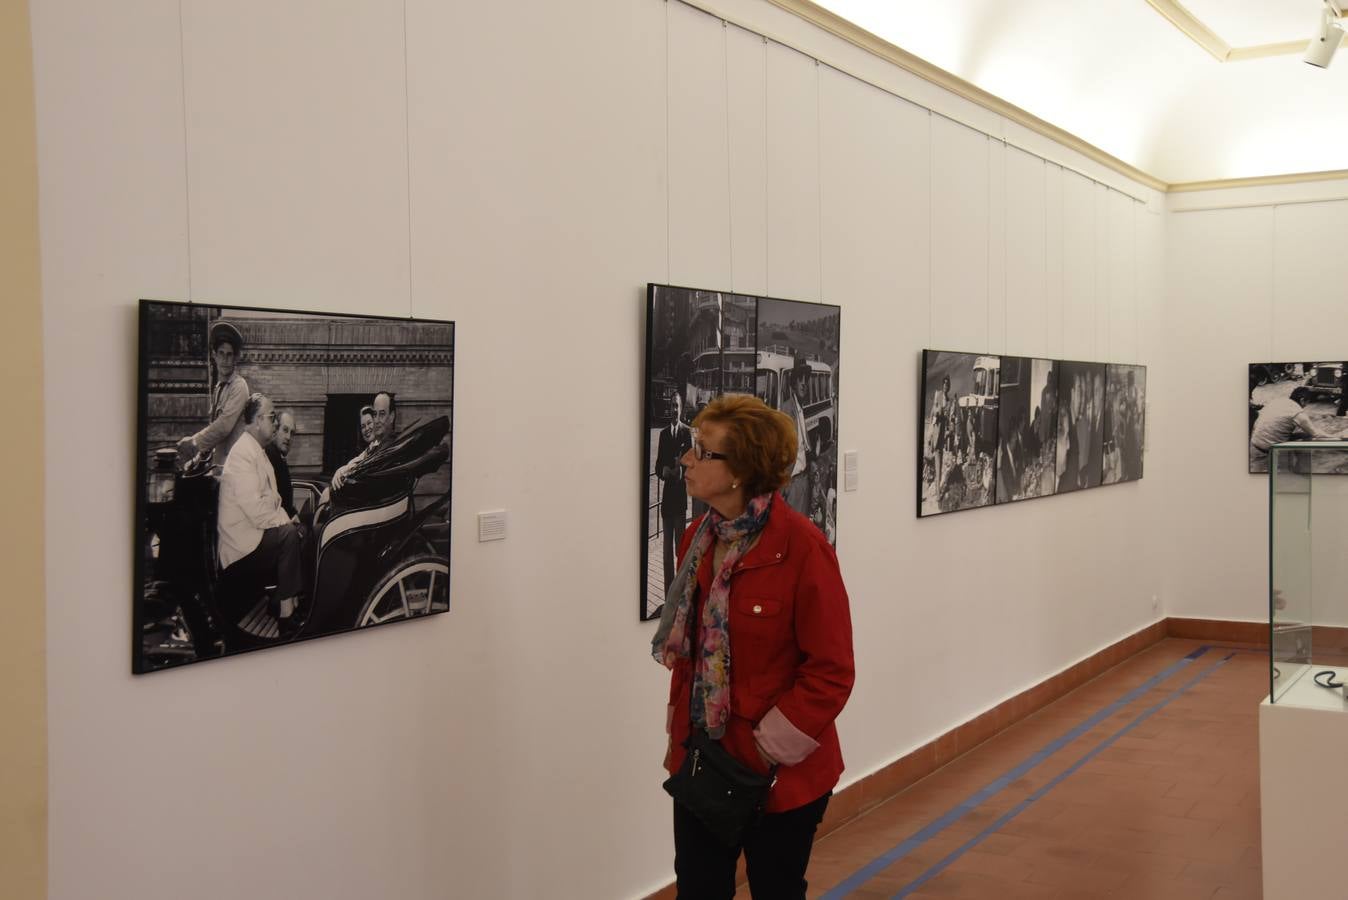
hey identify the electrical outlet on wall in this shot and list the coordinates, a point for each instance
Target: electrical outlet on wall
(1155, 603)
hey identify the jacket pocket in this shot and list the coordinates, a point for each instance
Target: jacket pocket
(764, 609)
(748, 703)
(761, 625)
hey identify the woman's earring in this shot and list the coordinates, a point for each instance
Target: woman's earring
(734, 485)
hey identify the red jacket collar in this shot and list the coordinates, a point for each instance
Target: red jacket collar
(773, 545)
(775, 541)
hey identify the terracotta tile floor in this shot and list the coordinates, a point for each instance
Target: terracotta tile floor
(1167, 809)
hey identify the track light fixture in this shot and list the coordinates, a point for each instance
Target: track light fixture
(1321, 48)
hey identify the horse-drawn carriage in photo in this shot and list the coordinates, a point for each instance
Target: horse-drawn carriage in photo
(369, 555)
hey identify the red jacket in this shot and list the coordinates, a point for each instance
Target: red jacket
(791, 666)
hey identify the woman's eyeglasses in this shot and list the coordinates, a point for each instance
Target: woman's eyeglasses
(700, 452)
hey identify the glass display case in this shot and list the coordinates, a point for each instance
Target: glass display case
(1308, 574)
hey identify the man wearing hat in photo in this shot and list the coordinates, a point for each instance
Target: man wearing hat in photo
(227, 399)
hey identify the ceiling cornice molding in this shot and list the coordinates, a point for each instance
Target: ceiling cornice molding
(1258, 181)
(878, 46)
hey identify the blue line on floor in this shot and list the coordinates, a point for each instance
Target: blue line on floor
(1025, 804)
(995, 787)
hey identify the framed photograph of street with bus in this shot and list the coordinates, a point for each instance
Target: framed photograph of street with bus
(293, 477)
(701, 344)
(957, 453)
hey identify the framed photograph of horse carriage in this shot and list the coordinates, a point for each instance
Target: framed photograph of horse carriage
(701, 344)
(293, 477)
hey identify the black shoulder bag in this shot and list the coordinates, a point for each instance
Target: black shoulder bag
(725, 795)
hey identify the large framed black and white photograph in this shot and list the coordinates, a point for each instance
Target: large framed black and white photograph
(958, 434)
(1081, 408)
(1027, 429)
(1124, 426)
(1298, 401)
(701, 344)
(294, 477)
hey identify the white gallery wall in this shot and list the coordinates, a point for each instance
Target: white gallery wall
(1254, 276)
(524, 169)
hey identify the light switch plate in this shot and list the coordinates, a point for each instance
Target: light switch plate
(850, 470)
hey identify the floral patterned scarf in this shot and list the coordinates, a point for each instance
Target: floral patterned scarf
(711, 672)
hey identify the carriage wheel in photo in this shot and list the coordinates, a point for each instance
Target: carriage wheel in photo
(415, 586)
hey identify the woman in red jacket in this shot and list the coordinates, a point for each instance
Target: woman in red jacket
(759, 642)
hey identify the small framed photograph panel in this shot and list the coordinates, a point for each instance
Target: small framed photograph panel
(1124, 423)
(1081, 410)
(957, 454)
(1028, 429)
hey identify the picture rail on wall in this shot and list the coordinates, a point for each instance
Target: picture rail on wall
(998, 429)
(701, 344)
(293, 477)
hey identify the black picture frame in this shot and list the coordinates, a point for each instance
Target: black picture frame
(1018, 407)
(702, 343)
(957, 435)
(1270, 391)
(374, 551)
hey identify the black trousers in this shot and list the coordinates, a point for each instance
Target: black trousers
(671, 524)
(277, 555)
(776, 854)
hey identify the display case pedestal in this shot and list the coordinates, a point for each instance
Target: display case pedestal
(1303, 787)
